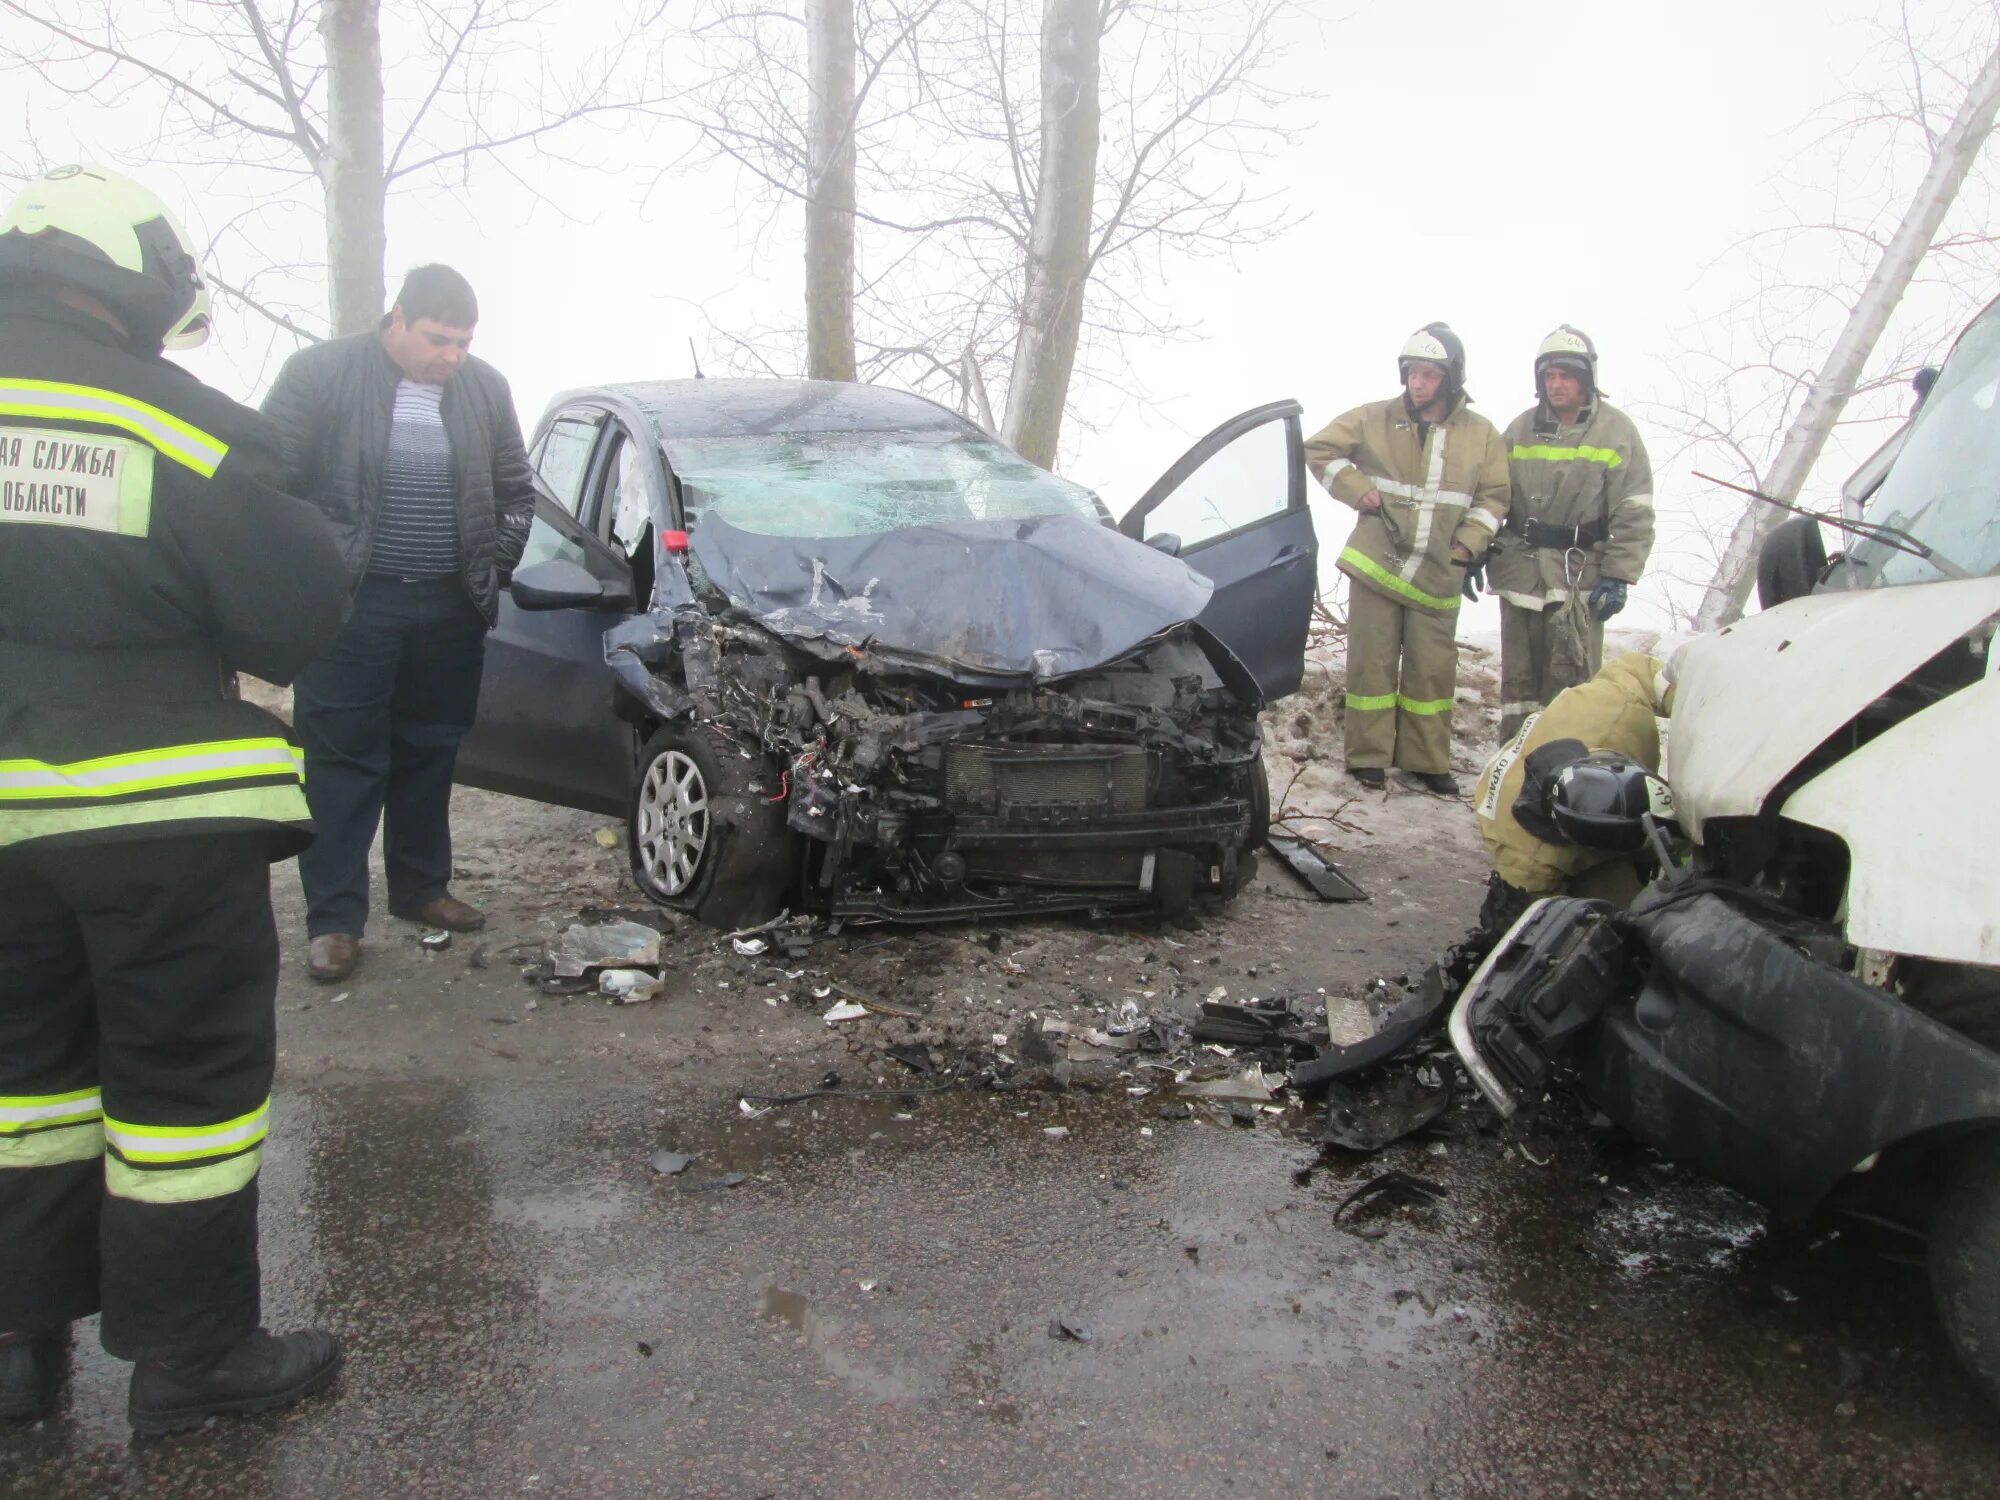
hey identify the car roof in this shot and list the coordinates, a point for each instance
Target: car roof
(710, 408)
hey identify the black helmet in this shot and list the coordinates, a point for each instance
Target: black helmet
(1603, 801)
(1593, 799)
(1437, 344)
(102, 233)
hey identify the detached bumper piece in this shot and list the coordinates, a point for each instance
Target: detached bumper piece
(1548, 979)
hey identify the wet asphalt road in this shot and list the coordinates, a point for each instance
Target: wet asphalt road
(531, 1310)
(457, 1182)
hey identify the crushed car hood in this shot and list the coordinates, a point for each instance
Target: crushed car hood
(1753, 701)
(1043, 597)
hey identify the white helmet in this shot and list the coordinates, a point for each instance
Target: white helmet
(101, 232)
(1568, 349)
(1437, 344)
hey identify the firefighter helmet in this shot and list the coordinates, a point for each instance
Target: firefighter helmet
(102, 233)
(1438, 345)
(1568, 349)
(1597, 801)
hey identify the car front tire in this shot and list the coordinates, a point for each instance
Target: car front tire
(704, 834)
(1965, 1263)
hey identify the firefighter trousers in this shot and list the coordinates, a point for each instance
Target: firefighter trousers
(1526, 682)
(137, 1040)
(1402, 670)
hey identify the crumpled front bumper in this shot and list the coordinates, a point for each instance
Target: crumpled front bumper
(1700, 1028)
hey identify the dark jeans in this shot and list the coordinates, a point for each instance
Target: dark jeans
(146, 971)
(380, 716)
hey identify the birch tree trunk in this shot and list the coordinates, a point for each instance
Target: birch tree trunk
(1956, 152)
(1058, 262)
(830, 201)
(351, 168)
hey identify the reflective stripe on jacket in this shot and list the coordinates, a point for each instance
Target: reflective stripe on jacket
(141, 527)
(1590, 473)
(1444, 487)
(1617, 710)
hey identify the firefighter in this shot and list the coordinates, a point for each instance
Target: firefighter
(1616, 714)
(1578, 529)
(146, 555)
(1429, 478)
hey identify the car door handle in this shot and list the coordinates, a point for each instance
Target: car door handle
(1288, 554)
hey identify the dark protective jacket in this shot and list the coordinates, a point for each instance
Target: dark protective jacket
(147, 554)
(332, 405)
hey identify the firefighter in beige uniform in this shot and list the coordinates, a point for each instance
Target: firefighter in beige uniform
(1578, 530)
(1429, 478)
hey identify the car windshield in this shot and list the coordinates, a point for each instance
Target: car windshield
(1944, 488)
(862, 483)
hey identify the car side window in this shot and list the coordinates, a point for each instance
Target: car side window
(563, 455)
(1246, 481)
(545, 538)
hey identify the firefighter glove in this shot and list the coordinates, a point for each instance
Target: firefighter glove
(1475, 575)
(1607, 598)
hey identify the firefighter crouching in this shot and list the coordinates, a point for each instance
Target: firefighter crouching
(1579, 529)
(1429, 478)
(145, 557)
(1559, 806)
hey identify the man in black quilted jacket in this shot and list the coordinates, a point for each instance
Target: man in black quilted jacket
(411, 448)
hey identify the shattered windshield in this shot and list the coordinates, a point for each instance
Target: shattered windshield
(1944, 488)
(822, 484)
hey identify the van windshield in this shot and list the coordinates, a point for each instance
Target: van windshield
(1944, 488)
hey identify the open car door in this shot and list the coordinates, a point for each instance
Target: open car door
(1235, 503)
(545, 728)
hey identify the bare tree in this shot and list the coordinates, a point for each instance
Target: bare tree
(962, 152)
(1863, 284)
(830, 57)
(351, 166)
(281, 94)
(1056, 273)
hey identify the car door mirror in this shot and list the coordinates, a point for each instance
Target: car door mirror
(1165, 541)
(555, 583)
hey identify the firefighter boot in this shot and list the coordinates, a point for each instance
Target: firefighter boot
(264, 1372)
(31, 1366)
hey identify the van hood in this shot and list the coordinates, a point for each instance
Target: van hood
(1041, 598)
(1755, 699)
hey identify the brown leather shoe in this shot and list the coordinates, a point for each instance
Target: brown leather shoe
(331, 956)
(447, 912)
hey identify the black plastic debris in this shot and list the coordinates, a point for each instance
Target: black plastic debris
(1367, 1120)
(1069, 1329)
(1319, 873)
(915, 1056)
(1400, 1189)
(1412, 1018)
(1261, 1025)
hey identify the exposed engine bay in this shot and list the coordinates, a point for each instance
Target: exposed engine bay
(920, 788)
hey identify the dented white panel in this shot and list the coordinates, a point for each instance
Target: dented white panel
(1916, 809)
(1754, 700)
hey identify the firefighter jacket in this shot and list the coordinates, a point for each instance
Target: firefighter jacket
(146, 555)
(1619, 710)
(1582, 507)
(1448, 485)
